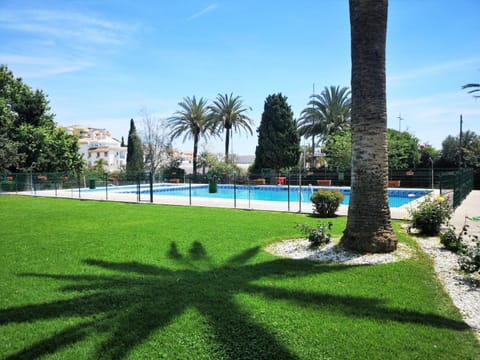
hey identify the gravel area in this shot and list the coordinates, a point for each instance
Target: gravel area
(300, 249)
(462, 288)
(464, 292)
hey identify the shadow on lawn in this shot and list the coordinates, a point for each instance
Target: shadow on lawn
(128, 307)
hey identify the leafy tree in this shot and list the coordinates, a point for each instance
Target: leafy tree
(28, 130)
(229, 112)
(428, 154)
(451, 151)
(369, 226)
(278, 139)
(9, 156)
(135, 163)
(338, 149)
(402, 150)
(192, 121)
(471, 153)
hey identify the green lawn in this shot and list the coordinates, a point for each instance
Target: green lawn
(84, 279)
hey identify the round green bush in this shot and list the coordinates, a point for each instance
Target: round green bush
(326, 202)
(430, 215)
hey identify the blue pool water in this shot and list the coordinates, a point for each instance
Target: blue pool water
(397, 198)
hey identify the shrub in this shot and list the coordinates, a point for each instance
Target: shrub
(430, 215)
(317, 236)
(452, 241)
(469, 260)
(326, 202)
(7, 185)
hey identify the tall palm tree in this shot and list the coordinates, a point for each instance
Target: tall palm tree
(369, 226)
(326, 113)
(311, 124)
(228, 112)
(475, 87)
(191, 121)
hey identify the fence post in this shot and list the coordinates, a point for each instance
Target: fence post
(138, 188)
(190, 191)
(288, 190)
(234, 191)
(106, 186)
(151, 186)
(78, 183)
(299, 190)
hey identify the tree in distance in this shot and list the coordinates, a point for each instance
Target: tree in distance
(278, 139)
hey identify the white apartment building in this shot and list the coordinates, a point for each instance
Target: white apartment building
(97, 144)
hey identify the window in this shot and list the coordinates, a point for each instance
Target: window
(105, 154)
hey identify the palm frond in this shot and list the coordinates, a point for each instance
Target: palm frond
(476, 88)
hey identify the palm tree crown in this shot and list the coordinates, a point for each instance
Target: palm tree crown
(191, 121)
(228, 112)
(327, 112)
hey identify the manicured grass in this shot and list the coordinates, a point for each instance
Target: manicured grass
(83, 279)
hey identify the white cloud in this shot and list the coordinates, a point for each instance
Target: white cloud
(37, 66)
(69, 26)
(433, 69)
(204, 11)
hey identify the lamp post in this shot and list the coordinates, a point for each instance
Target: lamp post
(106, 184)
(32, 186)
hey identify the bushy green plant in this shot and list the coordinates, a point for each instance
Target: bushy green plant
(430, 215)
(7, 185)
(326, 202)
(317, 236)
(469, 260)
(452, 241)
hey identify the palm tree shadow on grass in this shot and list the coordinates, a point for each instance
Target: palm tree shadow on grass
(140, 299)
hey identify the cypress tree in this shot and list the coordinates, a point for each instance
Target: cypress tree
(278, 139)
(134, 152)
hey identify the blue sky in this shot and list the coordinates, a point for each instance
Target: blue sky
(102, 62)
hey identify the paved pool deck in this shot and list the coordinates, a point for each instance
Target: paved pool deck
(112, 194)
(469, 208)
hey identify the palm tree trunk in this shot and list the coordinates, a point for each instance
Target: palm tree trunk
(227, 143)
(195, 151)
(369, 226)
(312, 165)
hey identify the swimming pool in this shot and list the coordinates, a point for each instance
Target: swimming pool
(397, 197)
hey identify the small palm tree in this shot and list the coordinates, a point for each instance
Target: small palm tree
(475, 88)
(191, 121)
(228, 112)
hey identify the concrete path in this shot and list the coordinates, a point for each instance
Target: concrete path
(468, 208)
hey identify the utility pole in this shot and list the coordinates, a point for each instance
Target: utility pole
(312, 164)
(399, 122)
(460, 148)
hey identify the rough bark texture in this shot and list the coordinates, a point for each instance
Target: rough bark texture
(369, 227)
